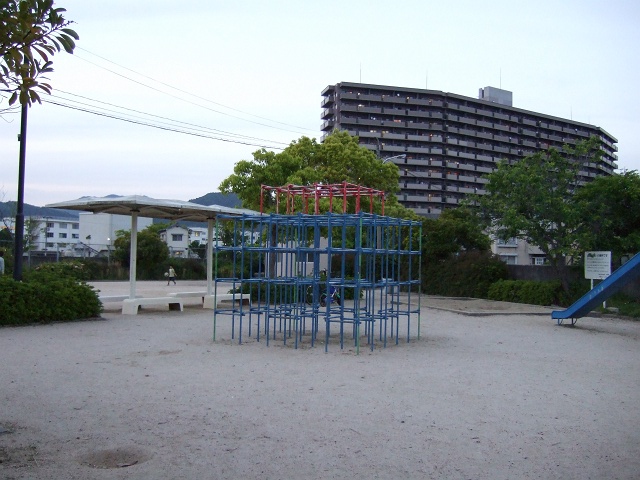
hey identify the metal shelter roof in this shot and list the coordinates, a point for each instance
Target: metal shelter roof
(143, 206)
(149, 207)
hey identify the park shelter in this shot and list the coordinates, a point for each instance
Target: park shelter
(143, 206)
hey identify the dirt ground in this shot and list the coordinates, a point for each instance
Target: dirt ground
(489, 391)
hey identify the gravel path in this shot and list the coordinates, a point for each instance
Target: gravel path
(494, 391)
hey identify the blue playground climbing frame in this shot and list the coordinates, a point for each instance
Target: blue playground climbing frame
(290, 264)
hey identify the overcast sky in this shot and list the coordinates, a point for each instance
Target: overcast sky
(252, 73)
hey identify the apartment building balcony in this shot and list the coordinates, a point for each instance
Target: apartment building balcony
(327, 113)
(463, 120)
(504, 128)
(393, 111)
(425, 102)
(360, 108)
(328, 100)
(420, 114)
(393, 136)
(419, 138)
(327, 125)
(423, 126)
(418, 150)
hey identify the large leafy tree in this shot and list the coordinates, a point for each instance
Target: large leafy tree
(31, 32)
(533, 199)
(609, 214)
(456, 230)
(305, 162)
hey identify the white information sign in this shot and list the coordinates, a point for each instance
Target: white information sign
(597, 265)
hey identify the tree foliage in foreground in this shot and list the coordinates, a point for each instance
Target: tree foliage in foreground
(31, 32)
(533, 199)
(340, 158)
(609, 214)
(455, 230)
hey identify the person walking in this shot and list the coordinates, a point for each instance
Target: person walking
(172, 276)
(1, 262)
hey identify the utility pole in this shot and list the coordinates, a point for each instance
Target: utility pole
(19, 234)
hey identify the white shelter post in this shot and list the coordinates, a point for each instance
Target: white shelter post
(133, 254)
(209, 255)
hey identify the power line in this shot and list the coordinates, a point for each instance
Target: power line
(160, 127)
(188, 93)
(172, 121)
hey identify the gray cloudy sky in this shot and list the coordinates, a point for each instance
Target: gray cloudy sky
(251, 72)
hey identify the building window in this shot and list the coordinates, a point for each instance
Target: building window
(63, 225)
(75, 226)
(62, 235)
(75, 236)
(176, 237)
(50, 224)
(509, 259)
(49, 234)
(511, 242)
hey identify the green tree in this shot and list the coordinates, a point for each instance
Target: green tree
(151, 251)
(456, 255)
(338, 159)
(33, 226)
(456, 230)
(533, 199)
(198, 249)
(31, 31)
(609, 214)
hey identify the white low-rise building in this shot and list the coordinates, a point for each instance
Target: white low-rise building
(516, 251)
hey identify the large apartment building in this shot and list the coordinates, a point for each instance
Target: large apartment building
(444, 143)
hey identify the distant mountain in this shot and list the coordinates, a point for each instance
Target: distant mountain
(8, 209)
(216, 198)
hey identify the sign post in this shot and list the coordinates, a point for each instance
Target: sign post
(597, 266)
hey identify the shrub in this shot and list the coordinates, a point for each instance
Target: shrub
(50, 271)
(527, 291)
(625, 304)
(469, 274)
(49, 294)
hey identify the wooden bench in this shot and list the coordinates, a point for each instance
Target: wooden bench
(130, 306)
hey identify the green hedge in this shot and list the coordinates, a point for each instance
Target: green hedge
(469, 274)
(528, 291)
(53, 293)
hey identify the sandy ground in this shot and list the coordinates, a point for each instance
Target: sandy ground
(489, 391)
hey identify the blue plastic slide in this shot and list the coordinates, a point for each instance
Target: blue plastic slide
(610, 285)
